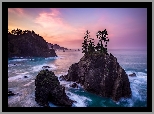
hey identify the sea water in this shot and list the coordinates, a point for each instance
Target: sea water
(133, 61)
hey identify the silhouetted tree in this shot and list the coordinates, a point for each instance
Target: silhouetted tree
(85, 43)
(101, 35)
(88, 44)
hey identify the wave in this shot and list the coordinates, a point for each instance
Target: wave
(138, 86)
(20, 59)
(48, 58)
(29, 83)
(17, 77)
(81, 101)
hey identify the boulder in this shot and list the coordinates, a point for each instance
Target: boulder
(25, 76)
(132, 75)
(48, 89)
(101, 74)
(44, 67)
(74, 85)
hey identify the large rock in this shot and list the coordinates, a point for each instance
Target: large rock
(101, 74)
(48, 88)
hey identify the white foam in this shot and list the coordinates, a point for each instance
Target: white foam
(29, 83)
(39, 67)
(19, 60)
(17, 77)
(136, 83)
(53, 58)
(80, 100)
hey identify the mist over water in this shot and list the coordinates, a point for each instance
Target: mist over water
(131, 60)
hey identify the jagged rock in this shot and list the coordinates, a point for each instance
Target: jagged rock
(74, 85)
(48, 88)
(101, 74)
(132, 75)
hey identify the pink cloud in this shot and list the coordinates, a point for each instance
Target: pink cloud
(53, 22)
(18, 11)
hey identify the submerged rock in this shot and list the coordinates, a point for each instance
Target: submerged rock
(44, 67)
(10, 93)
(101, 74)
(48, 88)
(74, 85)
(132, 75)
(25, 76)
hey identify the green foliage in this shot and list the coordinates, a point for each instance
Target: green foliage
(88, 46)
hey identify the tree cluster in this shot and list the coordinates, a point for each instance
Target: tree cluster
(20, 32)
(88, 46)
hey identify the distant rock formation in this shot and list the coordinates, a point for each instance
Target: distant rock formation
(56, 47)
(27, 43)
(100, 74)
(48, 88)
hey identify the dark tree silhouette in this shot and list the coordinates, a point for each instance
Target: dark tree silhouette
(85, 43)
(101, 35)
(88, 46)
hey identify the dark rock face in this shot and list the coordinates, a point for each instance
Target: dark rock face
(132, 75)
(101, 74)
(28, 44)
(48, 88)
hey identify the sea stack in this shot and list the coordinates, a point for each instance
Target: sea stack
(101, 74)
(48, 89)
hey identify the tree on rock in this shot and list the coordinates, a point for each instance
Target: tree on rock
(88, 44)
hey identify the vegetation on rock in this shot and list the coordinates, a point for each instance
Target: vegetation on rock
(88, 46)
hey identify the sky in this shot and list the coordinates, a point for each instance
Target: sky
(126, 27)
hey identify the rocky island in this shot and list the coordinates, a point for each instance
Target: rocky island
(99, 72)
(28, 44)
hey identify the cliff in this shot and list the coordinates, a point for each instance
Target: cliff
(28, 44)
(101, 74)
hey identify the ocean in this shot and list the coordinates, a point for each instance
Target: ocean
(133, 61)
